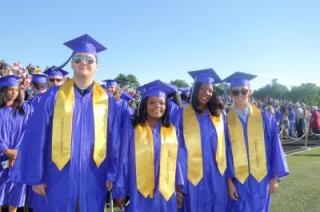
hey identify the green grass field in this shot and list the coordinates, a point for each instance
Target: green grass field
(300, 191)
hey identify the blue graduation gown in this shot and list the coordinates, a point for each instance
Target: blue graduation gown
(253, 194)
(210, 195)
(80, 181)
(126, 183)
(11, 129)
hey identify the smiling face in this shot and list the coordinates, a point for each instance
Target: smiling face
(84, 65)
(156, 107)
(240, 96)
(205, 93)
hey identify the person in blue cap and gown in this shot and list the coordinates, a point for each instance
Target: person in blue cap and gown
(203, 127)
(56, 76)
(12, 123)
(151, 174)
(69, 154)
(258, 160)
(128, 98)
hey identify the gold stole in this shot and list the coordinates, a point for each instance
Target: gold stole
(192, 138)
(144, 156)
(256, 145)
(62, 124)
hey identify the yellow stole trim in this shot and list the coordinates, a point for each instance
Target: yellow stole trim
(256, 145)
(62, 124)
(192, 138)
(144, 155)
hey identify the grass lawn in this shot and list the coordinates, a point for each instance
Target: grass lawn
(300, 191)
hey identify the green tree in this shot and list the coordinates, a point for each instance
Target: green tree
(307, 93)
(132, 80)
(180, 83)
(122, 80)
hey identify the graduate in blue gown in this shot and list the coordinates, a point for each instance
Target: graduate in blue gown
(158, 192)
(258, 160)
(12, 120)
(204, 129)
(69, 153)
(56, 76)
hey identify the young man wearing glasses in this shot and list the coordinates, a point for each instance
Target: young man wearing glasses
(258, 160)
(55, 75)
(70, 150)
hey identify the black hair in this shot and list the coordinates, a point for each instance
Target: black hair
(215, 105)
(40, 86)
(175, 98)
(17, 104)
(140, 114)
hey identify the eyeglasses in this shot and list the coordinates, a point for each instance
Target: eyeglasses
(55, 79)
(236, 92)
(79, 58)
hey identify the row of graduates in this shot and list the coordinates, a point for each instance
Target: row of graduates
(80, 142)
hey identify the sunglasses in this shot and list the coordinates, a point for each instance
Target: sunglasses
(236, 92)
(55, 79)
(78, 59)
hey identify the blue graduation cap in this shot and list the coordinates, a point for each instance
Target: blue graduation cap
(205, 76)
(85, 43)
(103, 86)
(111, 82)
(126, 96)
(239, 79)
(39, 78)
(184, 91)
(155, 88)
(10, 80)
(55, 71)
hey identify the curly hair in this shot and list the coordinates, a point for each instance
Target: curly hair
(215, 106)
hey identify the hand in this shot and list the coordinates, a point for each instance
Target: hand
(232, 191)
(109, 185)
(11, 153)
(179, 198)
(11, 162)
(120, 202)
(273, 186)
(40, 189)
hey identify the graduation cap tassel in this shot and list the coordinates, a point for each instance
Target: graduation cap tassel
(65, 63)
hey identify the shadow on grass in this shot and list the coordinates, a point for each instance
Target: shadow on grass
(312, 155)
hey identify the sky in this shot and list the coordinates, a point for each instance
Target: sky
(164, 39)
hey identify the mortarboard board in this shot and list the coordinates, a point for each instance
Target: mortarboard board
(239, 79)
(126, 96)
(155, 88)
(55, 71)
(185, 91)
(10, 80)
(205, 76)
(85, 43)
(111, 82)
(39, 78)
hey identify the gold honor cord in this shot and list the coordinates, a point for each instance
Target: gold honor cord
(168, 161)
(257, 152)
(100, 106)
(144, 154)
(62, 124)
(256, 146)
(221, 143)
(192, 138)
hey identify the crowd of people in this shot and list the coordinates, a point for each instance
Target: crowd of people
(67, 143)
(295, 120)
